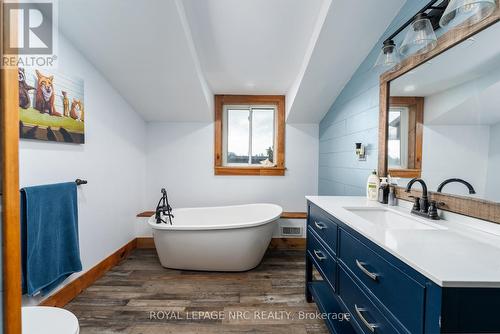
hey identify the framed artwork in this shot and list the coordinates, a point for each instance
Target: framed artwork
(51, 106)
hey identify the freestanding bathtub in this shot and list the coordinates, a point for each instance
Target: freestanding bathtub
(229, 238)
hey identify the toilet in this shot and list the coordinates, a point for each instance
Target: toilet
(48, 320)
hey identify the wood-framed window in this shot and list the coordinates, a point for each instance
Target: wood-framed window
(406, 118)
(249, 135)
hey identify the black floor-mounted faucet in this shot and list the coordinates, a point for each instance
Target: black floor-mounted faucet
(422, 206)
(163, 208)
(467, 184)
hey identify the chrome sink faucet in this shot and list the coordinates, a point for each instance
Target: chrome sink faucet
(422, 206)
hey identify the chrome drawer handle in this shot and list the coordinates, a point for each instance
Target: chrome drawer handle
(320, 226)
(368, 325)
(319, 255)
(365, 271)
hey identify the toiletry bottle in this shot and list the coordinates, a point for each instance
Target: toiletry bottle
(394, 181)
(392, 196)
(383, 191)
(372, 186)
(386, 192)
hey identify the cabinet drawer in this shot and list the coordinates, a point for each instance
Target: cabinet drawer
(400, 294)
(368, 317)
(324, 227)
(328, 304)
(324, 262)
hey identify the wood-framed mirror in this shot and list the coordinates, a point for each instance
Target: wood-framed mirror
(440, 119)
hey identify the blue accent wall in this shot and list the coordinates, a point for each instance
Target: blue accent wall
(353, 118)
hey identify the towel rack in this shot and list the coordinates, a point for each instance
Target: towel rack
(80, 182)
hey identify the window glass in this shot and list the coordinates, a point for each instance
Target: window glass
(262, 136)
(238, 134)
(249, 135)
(398, 138)
(394, 138)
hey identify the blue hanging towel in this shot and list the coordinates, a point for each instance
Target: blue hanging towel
(49, 236)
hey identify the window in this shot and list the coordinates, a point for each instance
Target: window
(249, 135)
(398, 137)
(404, 142)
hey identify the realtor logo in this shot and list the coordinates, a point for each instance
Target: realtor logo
(30, 34)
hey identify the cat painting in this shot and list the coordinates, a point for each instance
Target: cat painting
(45, 95)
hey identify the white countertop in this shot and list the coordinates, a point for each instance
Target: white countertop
(462, 252)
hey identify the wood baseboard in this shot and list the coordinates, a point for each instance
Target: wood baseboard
(145, 243)
(67, 293)
(288, 243)
(74, 288)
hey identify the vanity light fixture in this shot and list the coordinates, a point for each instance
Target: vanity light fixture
(361, 152)
(389, 56)
(420, 37)
(421, 29)
(464, 13)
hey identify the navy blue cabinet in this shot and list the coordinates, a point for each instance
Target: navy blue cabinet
(325, 263)
(325, 228)
(380, 292)
(382, 280)
(366, 315)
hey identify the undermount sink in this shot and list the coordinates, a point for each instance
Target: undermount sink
(392, 220)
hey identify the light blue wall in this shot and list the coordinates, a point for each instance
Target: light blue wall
(354, 118)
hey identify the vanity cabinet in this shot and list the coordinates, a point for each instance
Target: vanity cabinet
(381, 293)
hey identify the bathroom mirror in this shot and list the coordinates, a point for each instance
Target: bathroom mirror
(440, 119)
(458, 99)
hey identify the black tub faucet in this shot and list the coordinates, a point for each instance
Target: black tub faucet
(467, 184)
(164, 208)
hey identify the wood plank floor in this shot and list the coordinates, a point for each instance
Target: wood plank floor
(141, 297)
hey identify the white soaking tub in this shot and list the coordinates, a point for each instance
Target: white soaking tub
(227, 238)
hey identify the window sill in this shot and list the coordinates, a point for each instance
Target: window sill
(256, 171)
(405, 173)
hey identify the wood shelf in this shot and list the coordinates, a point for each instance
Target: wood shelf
(284, 215)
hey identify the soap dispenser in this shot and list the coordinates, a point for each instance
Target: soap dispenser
(372, 186)
(383, 191)
(392, 196)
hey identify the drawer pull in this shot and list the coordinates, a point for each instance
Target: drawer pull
(320, 226)
(319, 255)
(359, 312)
(365, 271)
